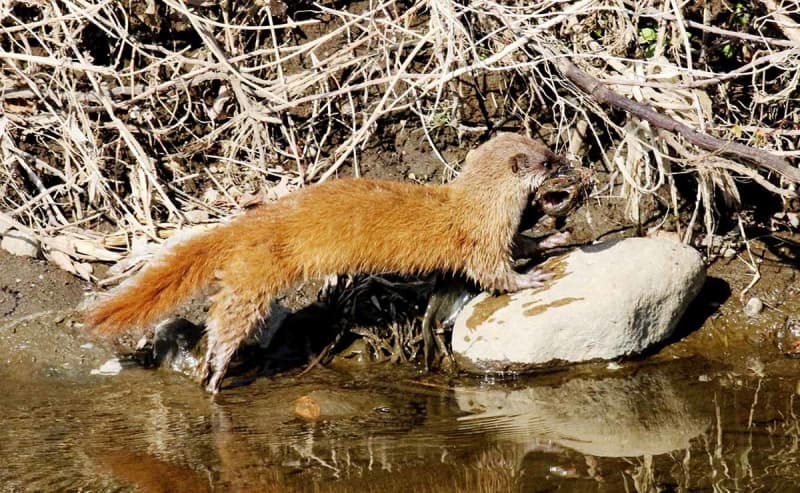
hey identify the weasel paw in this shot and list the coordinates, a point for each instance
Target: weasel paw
(534, 278)
(555, 240)
(214, 383)
(212, 373)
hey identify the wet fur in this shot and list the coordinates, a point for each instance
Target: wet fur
(348, 225)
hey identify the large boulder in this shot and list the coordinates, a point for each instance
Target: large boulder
(606, 300)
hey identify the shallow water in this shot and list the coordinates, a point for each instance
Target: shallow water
(679, 426)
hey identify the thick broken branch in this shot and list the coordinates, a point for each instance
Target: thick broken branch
(732, 150)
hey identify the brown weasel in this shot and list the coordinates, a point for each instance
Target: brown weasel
(348, 225)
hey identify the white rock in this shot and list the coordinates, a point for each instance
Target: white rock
(110, 367)
(19, 243)
(606, 300)
(729, 252)
(62, 260)
(753, 307)
(794, 219)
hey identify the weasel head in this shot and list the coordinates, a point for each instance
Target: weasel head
(510, 159)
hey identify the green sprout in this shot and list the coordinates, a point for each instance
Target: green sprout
(647, 35)
(741, 16)
(727, 50)
(647, 38)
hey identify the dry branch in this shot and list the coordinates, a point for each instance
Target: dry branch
(141, 117)
(784, 22)
(734, 150)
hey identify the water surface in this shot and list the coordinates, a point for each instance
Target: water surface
(687, 425)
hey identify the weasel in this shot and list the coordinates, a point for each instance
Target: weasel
(348, 225)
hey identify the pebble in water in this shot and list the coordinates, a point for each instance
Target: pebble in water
(753, 307)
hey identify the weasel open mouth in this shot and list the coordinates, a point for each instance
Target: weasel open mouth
(560, 194)
(558, 202)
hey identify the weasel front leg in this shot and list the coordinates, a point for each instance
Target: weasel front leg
(527, 247)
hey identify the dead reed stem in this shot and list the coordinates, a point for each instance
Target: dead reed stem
(123, 121)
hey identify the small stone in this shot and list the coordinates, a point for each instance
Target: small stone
(21, 244)
(793, 326)
(563, 472)
(728, 252)
(110, 367)
(87, 345)
(794, 219)
(83, 270)
(753, 307)
(307, 408)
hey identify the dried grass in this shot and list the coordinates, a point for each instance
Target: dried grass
(123, 121)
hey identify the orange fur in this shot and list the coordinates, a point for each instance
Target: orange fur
(347, 225)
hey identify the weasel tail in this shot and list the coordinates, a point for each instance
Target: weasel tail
(172, 277)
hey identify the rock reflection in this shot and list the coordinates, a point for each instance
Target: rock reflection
(646, 414)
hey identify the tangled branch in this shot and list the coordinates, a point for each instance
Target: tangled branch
(123, 121)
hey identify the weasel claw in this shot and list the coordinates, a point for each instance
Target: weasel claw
(534, 278)
(555, 240)
(210, 376)
(215, 382)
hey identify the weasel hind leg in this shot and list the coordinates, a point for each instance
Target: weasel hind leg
(233, 318)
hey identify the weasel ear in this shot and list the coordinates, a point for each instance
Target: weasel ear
(518, 161)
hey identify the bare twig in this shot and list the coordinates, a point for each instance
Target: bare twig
(784, 22)
(602, 94)
(136, 129)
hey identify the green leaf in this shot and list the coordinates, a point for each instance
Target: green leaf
(648, 34)
(727, 50)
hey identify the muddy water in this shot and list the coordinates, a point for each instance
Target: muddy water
(683, 425)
